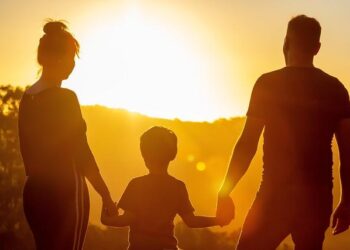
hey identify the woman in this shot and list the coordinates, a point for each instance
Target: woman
(56, 155)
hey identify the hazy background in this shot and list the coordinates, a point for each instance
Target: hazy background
(142, 55)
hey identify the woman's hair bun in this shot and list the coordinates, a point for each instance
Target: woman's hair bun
(56, 42)
(54, 27)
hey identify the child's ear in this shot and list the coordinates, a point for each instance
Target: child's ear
(173, 155)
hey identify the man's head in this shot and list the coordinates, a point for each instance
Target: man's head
(158, 147)
(303, 36)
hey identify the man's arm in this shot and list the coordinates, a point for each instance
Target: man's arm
(341, 216)
(243, 153)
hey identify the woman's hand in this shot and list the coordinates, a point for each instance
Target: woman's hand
(109, 207)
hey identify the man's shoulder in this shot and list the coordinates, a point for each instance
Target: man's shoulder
(328, 76)
(270, 77)
(273, 73)
(331, 84)
(287, 72)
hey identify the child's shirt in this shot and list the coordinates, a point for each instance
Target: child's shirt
(154, 200)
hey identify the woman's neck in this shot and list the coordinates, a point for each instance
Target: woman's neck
(45, 81)
(49, 80)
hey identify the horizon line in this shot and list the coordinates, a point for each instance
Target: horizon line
(162, 118)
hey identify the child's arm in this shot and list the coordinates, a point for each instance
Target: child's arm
(186, 211)
(116, 220)
(194, 221)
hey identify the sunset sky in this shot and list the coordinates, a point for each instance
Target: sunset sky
(190, 59)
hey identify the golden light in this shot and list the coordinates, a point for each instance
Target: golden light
(190, 158)
(150, 65)
(201, 166)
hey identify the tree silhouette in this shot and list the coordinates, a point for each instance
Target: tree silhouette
(13, 226)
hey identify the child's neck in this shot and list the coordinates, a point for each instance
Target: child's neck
(158, 171)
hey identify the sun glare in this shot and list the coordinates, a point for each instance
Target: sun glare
(201, 166)
(142, 63)
(190, 158)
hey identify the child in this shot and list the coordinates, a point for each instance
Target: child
(151, 202)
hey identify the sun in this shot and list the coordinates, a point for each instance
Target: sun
(144, 64)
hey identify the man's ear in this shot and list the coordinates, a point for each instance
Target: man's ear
(285, 45)
(317, 49)
(285, 48)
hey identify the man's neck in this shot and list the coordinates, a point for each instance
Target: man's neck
(300, 61)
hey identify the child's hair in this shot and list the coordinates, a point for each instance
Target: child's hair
(158, 145)
(57, 42)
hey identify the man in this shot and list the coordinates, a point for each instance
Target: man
(300, 108)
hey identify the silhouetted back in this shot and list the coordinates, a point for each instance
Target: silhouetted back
(301, 107)
(51, 130)
(154, 200)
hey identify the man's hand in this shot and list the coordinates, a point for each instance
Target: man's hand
(225, 211)
(341, 218)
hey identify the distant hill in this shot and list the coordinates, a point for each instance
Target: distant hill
(114, 134)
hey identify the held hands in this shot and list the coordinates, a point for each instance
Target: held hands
(109, 207)
(225, 211)
(341, 218)
(109, 210)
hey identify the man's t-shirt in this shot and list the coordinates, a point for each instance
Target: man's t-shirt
(300, 107)
(154, 200)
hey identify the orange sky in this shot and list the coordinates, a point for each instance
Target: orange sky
(196, 60)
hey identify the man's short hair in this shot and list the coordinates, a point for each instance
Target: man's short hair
(158, 144)
(305, 32)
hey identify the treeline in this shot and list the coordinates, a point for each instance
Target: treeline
(14, 232)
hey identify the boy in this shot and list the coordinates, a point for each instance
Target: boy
(151, 202)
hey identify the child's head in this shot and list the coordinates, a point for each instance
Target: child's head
(158, 147)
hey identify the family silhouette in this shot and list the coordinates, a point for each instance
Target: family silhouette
(298, 108)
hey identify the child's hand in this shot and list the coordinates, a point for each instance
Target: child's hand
(106, 215)
(225, 211)
(222, 221)
(110, 206)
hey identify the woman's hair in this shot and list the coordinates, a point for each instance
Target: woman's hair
(56, 43)
(158, 144)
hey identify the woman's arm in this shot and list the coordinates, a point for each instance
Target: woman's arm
(101, 188)
(84, 159)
